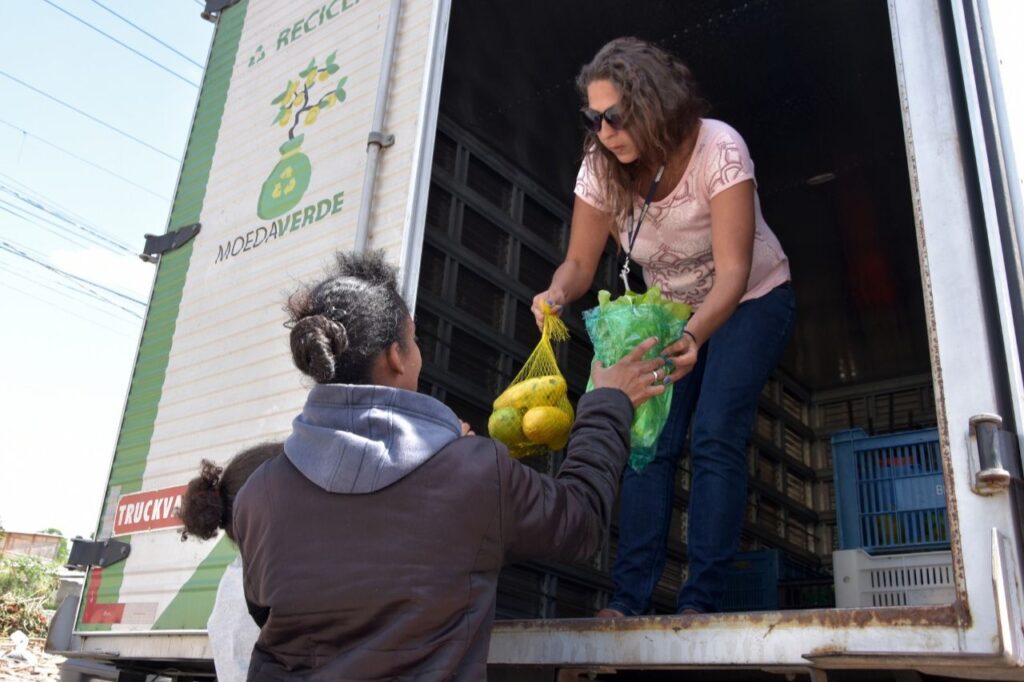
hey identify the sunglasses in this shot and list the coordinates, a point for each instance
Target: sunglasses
(592, 119)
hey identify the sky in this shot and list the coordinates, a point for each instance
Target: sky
(78, 190)
(77, 194)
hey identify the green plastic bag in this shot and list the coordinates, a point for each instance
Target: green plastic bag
(615, 328)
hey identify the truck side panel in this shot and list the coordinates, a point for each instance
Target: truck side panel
(273, 172)
(100, 608)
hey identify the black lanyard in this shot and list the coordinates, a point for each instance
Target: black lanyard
(634, 230)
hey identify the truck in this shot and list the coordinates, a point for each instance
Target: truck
(445, 133)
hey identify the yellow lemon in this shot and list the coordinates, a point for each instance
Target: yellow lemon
(545, 390)
(547, 425)
(506, 425)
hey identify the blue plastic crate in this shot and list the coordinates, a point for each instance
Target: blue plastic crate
(752, 583)
(890, 493)
(767, 580)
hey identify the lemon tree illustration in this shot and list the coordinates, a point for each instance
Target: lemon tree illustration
(301, 103)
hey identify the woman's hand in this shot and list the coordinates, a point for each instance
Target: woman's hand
(681, 356)
(554, 298)
(587, 236)
(638, 378)
(467, 430)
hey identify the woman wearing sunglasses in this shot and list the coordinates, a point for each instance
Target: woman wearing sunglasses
(677, 193)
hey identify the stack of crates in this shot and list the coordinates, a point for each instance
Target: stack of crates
(891, 514)
(769, 580)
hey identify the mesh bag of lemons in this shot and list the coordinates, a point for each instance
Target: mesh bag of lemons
(533, 415)
(616, 327)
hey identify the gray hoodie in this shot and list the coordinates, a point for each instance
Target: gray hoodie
(359, 439)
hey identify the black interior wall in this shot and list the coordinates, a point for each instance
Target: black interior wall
(812, 88)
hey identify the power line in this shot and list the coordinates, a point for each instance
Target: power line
(65, 309)
(64, 210)
(142, 30)
(7, 246)
(80, 238)
(95, 233)
(28, 249)
(87, 286)
(22, 214)
(89, 116)
(124, 45)
(88, 233)
(86, 295)
(75, 295)
(84, 160)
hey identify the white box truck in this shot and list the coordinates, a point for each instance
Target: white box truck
(445, 133)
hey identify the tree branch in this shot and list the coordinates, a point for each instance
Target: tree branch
(306, 105)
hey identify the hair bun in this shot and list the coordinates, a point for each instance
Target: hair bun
(316, 343)
(202, 505)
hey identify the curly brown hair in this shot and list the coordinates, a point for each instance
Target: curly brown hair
(208, 503)
(660, 105)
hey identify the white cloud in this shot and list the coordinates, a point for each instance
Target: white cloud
(125, 273)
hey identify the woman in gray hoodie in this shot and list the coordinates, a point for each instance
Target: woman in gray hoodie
(372, 549)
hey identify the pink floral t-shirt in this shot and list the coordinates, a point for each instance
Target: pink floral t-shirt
(674, 242)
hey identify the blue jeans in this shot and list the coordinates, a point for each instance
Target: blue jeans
(721, 395)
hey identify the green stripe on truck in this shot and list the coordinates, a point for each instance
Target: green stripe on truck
(154, 349)
(185, 610)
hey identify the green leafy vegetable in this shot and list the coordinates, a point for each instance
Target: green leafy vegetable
(615, 327)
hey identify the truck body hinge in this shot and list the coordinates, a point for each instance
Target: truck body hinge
(157, 244)
(214, 7)
(380, 139)
(991, 448)
(87, 553)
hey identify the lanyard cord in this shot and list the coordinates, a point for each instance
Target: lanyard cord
(634, 229)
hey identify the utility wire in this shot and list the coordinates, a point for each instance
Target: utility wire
(67, 310)
(142, 30)
(7, 246)
(89, 116)
(80, 238)
(92, 235)
(91, 297)
(89, 236)
(124, 45)
(26, 189)
(86, 286)
(96, 234)
(84, 160)
(66, 292)
(60, 231)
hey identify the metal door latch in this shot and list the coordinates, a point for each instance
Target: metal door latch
(990, 447)
(86, 553)
(157, 244)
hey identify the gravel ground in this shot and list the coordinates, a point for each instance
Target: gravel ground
(44, 668)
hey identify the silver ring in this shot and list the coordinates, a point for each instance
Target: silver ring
(655, 373)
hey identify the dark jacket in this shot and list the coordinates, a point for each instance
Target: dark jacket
(372, 549)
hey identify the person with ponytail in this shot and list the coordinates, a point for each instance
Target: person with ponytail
(206, 509)
(371, 550)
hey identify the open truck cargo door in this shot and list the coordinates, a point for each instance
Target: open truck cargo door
(969, 262)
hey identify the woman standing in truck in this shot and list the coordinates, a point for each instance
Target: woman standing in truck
(677, 192)
(372, 548)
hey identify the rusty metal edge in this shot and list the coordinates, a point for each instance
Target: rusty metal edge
(924, 616)
(952, 513)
